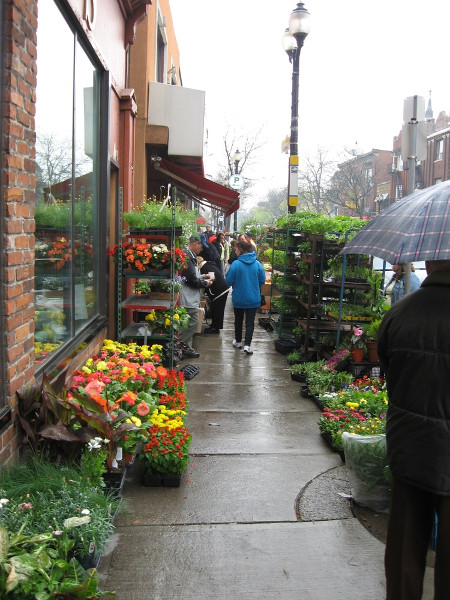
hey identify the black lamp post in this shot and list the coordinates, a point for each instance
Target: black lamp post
(237, 157)
(293, 38)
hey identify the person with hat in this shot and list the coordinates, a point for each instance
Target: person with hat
(193, 283)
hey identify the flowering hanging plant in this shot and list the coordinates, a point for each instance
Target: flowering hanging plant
(142, 256)
(159, 320)
(358, 338)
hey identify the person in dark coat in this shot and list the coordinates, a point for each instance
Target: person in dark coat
(209, 252)
(414, 350)
(217, 294)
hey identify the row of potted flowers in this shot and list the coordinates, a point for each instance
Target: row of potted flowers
(349, 403)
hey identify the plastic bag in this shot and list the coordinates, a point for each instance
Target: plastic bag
(366, 462)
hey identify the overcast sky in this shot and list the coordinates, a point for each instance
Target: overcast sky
(359, 62)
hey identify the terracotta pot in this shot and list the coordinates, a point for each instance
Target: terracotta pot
(357, 354)
(372, 352)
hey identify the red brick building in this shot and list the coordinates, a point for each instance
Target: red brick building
(64, 94)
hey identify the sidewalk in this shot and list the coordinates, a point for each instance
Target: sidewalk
(258, 514)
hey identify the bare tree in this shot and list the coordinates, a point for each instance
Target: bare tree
(314, 182)
(352, 184)
(54, 159)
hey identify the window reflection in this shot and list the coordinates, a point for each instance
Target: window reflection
(66, 204)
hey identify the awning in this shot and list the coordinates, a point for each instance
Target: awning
(204, 190)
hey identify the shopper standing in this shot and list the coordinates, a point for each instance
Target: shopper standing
(217, 294)
(414, 350)
(190, 293)
(246, 275)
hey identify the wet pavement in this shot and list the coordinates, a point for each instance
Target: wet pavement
(262, 510)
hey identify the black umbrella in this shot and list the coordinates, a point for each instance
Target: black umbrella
(414, 228)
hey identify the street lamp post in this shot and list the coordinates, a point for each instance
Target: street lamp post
(237, 157)
(293, 38)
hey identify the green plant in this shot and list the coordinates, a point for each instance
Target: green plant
(93, 461)
(42, 494)
(294, 356)
(36, 567)
(371, 330)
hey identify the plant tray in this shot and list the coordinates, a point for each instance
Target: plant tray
(286, 346)
(265, 323)
(329, 441)
(161, 479)
(298, 377)
(359, 369)
(156, 231)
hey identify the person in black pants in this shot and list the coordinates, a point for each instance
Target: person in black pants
(217, 294)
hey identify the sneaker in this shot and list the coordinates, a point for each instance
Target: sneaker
(248, 350)
(237, 344)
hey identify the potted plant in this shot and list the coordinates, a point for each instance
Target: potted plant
(371, 332)
(358, 344)
(159, 321)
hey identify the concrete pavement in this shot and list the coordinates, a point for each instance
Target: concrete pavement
(242, 525)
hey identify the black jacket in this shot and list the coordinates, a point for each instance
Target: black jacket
(210, 254)
(414, 349)
(220, 285)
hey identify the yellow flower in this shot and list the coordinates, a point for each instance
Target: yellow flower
(177, 317)
(86, 370)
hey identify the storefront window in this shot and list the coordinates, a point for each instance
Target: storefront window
(67, 141)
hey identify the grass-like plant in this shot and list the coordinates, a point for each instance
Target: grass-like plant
(42, 495)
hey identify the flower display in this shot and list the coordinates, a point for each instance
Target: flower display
(159, 321)
(143, 256)
(137, 399)
(357, 408)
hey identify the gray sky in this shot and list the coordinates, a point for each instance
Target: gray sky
(359, 62)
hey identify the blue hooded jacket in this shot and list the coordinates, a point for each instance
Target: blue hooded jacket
(246, 275)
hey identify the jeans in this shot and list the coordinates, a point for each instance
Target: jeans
(250, 314)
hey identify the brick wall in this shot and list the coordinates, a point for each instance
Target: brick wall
(18, 171)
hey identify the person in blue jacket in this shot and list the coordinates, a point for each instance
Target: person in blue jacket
(246, 275)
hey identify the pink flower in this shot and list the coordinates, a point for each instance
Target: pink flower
(94, 387)
(143, 409)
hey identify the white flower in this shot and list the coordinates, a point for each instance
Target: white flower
(3, 501)
(85, 511)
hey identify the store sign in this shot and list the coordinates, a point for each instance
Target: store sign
(90, 12)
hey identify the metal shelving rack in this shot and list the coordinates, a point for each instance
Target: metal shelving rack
(139, 330)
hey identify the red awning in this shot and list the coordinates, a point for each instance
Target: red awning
(205, 191)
